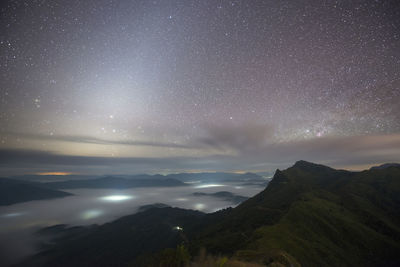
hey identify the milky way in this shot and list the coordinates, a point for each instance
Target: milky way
(164, 86)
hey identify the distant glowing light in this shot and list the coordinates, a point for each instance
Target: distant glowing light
(199, 206)
(177, 228)
(238, 187)
(192, 182)
(208, 185)
(181, 199)
(239, 172)
(90, 214)
(116, 198)
(54, 173)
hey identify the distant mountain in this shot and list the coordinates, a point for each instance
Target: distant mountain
(386, 165)
(153, 206)
(266, 174)
(144, 180)
(309, 215)
(223, 195)
(205, 177)
(16, 191)
(51, 178)
(217, 177)
(115, 183)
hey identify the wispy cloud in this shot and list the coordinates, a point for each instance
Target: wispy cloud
(241, 139)
(256, 144)
(97, 141)
(251, 153)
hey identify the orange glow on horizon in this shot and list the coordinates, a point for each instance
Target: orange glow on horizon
(54, 173)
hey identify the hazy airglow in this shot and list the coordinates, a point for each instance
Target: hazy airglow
(116, 198)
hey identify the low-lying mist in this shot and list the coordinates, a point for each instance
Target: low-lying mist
(20, 222)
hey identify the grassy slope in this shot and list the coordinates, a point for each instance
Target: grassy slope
(118, 243)
(313, 215)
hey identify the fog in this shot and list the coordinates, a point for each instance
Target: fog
(20, 222)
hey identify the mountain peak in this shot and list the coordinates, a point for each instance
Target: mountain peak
(306, 164)
(311, 167)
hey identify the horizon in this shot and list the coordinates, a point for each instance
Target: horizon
(262, 173)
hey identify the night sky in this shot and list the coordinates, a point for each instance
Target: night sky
(96, 87)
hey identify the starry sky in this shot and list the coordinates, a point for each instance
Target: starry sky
(118, 86)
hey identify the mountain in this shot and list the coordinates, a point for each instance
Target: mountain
(16, 191)
(386, 165)
(207, 177)
(115, 183)
(118, 243)
(224, 195)
(143, 180)
(153, 206)
(72, 181)
(316, 216)
(309, 215)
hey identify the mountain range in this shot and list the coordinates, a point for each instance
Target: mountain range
(308, 215)
(15, 191)
(114, 183)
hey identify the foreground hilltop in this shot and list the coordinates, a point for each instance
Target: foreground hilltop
(309, 215)
(315, 215)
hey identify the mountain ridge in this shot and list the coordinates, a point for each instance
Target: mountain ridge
(296, 193)
(309, 215)
(15, 191)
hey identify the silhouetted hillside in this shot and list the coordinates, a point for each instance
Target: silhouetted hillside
(316, 215)
(13, 191)
(386, 165)
(309, 215)
(117, 243)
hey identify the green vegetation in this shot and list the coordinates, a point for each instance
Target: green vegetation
(315, 216)
(309, 215)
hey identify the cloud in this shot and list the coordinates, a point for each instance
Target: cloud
(98, 141)
(339, 150)
(10, 156)
(241, 139)
(255, 146)
(29, 161)
(235, 148)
